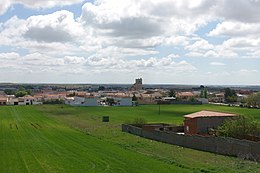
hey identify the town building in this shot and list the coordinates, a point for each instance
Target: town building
(138, 85)
(203, 100)
(82, 101)
(185, 96)
(3, 101)
(218, 98)
(123, 101)
(25, 100)
(202, 122)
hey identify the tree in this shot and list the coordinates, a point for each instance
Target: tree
(101, 88)
(192, 99)
(9, 92)
(20, 93)
(57, 101)
(172, 93)
(230, 95)
(21, 88)
(28, 87)
(204, 93)
(29, 92)
(202, 86)
(253, 100)
(134, 98)
(201, 94)
(110, 101)
(239, 127)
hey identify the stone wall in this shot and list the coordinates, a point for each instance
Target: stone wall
(226, 146)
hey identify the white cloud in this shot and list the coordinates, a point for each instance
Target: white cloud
(238, 10)
(176, 41)
(97, 63)
(74, 60)
(38, 4)
(248, 71)
(217, 64)
(201, 44)
(173, 56)
(129, 36)
(56, 27)
(4, 5)
(233, 29)
(144, 23)
(132, 27)
(57, 33)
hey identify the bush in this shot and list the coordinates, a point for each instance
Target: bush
(139, 122)
(57, 101)
(20, 93)
(239, 127)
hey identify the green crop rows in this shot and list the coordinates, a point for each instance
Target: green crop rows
(59, 138)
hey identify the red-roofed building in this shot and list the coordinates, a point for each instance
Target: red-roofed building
(3, 100)
(185, 95)
(201, 122)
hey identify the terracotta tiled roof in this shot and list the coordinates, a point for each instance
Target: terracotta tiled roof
(185, 94)
(208, 114)
(3, 99)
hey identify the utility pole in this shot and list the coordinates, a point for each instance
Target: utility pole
(159, 108)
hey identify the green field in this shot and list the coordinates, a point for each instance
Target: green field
(59, 138)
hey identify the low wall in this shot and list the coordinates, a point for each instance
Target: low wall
(186, 103)
(226, 146)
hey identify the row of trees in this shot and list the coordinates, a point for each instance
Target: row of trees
(204, 93)
(20, 93)
(253, 100)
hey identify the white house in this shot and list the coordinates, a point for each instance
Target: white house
(203, 100)
(169, 98)
(26, 100)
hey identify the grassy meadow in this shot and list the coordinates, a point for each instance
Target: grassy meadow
(60, 138)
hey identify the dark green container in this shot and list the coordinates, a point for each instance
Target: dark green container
(105, 119)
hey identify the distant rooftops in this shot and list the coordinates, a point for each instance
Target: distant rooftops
(209, 114)
(3, 99)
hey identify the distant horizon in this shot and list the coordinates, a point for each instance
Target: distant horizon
(177, 84)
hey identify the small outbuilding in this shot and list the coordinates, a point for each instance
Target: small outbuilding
(201, 122)
(3, 100)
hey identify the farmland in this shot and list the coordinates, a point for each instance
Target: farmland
(59, 138)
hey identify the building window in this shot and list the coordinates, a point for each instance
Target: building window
(187, 128)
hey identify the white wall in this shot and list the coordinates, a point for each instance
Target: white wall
(28, 101)
(79, 101)
(203, 100)
(125, 101)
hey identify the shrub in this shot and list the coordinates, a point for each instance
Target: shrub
(239, 127)
(139, 122)
(57, 101)
(20, 93)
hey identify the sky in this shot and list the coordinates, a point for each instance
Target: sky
(115, 41)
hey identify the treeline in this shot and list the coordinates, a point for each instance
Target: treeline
(252, 100)
(20, 93)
